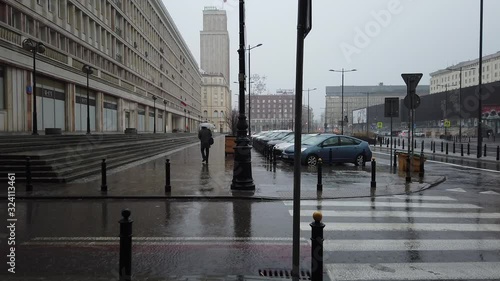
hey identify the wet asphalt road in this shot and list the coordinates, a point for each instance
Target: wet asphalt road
(451, 231)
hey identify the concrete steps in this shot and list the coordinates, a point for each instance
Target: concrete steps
(64, 159)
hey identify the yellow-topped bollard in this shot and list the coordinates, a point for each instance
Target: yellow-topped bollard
(317, 216)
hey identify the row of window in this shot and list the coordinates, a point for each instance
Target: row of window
(215, 114)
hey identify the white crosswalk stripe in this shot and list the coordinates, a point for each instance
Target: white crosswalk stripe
(367, 240)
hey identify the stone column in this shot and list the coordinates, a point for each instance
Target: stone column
(70, 104)
(146, 117)
(121, 115)
(99, 112)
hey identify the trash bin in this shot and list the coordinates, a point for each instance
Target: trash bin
(230, 143)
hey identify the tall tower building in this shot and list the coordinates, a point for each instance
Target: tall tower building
(214, 42)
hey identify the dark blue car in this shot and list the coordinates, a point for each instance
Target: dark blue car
(331, 148)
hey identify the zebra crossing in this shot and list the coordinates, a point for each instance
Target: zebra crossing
(406, 237)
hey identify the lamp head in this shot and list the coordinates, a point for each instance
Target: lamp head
(154, 97)
(28, 44)
(87, 69)
(40, 48)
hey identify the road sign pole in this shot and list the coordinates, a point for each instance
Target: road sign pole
(391, 131)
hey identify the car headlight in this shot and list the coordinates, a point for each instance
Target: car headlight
(302, 149)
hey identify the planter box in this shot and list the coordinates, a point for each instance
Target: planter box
(230, 142)
(415, 163)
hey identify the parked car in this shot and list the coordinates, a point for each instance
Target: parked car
(344, 149)
(279, 148)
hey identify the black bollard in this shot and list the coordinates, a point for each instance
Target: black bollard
(274, 156)
(168, 187)
(125, 265)
(395, 159)
(446, 148)
(422, 147)
(453, 147)
(381, 141)
(461, 149)
(387, 143)
(317, 247)
(442, 145)
(434, 148)
(415, 144)
(421, 172)
(104, 186)
(498, 152)
(484, 150)
(403, 145)
(29, 186)
(469, 139)
(399, 142)
(319, 186)
(373, 183)
(468, 148)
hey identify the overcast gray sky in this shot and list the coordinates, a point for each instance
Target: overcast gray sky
(380, 38)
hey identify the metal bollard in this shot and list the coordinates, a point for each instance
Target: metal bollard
(453, 147)
(387, 143)
(403, 145)
(104, 185)
(442, 144)
(484, 150)
(317, 247)
(422, 147)
(29, 186)
(415, 144)
(125, 265)
(498, 152)
(399, 142)
(461, 149)
(395, 159)
(381, 141)
(373, 183)
(434, 148)
(319, 186)
(446, 148)
(421, 173)
(274, 156)
(168, 187)
(468, 148)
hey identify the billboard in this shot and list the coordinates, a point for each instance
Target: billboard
(359, 116)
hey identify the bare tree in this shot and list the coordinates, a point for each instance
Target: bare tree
(232, 121)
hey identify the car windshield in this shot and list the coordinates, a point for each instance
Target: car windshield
(314, 140)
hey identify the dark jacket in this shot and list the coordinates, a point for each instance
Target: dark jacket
(204, 135)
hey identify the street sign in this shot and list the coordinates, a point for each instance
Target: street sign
(380, 125)
(308, 12)
(411, 80)
(415, 103)
(447, 123)
(391, 108)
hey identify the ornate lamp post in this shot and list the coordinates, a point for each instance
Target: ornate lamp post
(342, 110)
(87, 69)
(34, 47)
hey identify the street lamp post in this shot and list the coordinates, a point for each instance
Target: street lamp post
(34, 47)
(460, 100)
(342, 102)
(88, 70)
(480, 98)
(249, 89)
(165, 117)
(154, 114)
(308, 113)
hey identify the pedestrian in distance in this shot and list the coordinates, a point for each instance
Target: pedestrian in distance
(205, 136)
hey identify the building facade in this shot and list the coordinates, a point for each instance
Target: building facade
(272, 112)
(134, 49)
(358, 97)
(214, 43)
(466, 74)
(216, 102)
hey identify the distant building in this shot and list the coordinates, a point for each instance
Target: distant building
(272, 112)
(216, 101)
(358, 97)
(134, 48)
(449, 78)
(214, 43)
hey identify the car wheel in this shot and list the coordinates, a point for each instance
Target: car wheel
(312, 160)
(360, 159)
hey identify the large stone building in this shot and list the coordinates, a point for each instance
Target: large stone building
(272, 112)
(449, 78)
(134, 48)
(216, 101)
(358, 97)
(214, 43)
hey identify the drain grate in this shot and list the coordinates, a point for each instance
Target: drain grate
(284, 273)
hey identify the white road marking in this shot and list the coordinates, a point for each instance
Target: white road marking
(490, 192)
(398, 214)
(164, 239)
(422, 197)
(456, 190)
(411, 245)
(414, 271)
(383, 204)
(404, 227)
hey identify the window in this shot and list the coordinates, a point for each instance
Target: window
(49, 5)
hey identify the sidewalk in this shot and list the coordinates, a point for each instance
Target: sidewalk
(192, 179)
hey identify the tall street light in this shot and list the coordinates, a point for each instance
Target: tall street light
(154, 114)
(308, 114)
(249, 89)
(342, 110)
(87, 69)
(34, 47)
(480, 98)
(460, 99)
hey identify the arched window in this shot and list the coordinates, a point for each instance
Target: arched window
(205, 114)
(221, 113)
(216, 114)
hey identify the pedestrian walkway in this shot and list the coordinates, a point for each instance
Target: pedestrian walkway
(406, 237)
